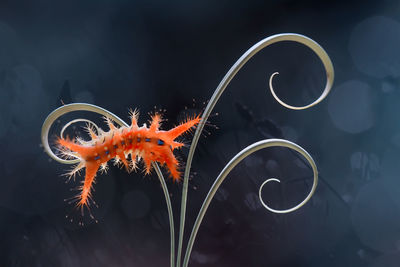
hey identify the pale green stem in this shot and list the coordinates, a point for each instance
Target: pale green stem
(220, 89)
(170, 214)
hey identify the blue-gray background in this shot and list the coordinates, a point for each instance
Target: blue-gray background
(128, 54)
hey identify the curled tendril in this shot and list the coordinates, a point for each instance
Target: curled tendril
(76, 121)
(322, 55)
(287, 210)
(89, 122)
(49, 121)
(288, 144)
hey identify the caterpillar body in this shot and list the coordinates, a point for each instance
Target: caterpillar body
(126, 145)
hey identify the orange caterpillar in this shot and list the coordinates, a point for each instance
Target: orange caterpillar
(125, 145)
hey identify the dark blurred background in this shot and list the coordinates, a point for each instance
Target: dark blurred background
(131, 54)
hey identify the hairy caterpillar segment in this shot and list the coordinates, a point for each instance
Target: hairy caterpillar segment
(126, 145)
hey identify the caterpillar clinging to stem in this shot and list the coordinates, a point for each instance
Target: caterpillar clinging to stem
(126, 145)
